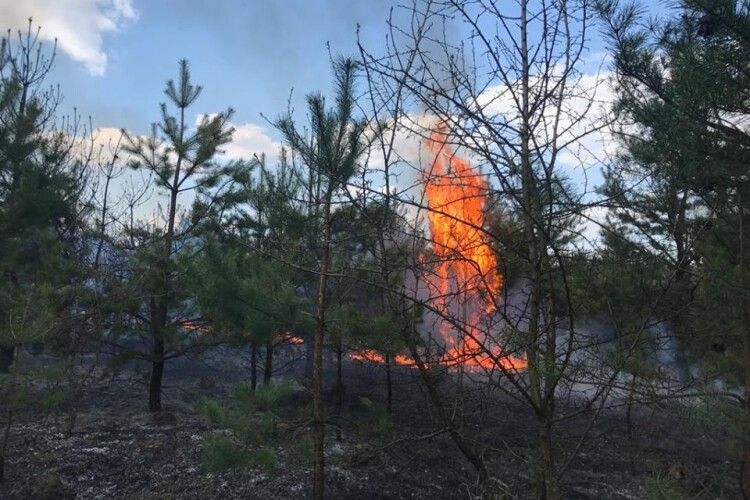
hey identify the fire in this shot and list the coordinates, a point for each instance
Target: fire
(290, 338)
(465, 281)
(191, 326)
(372, 356)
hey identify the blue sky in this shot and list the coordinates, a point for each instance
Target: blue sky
(247, 54)
(115, 55)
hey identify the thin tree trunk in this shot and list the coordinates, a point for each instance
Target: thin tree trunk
(629, 419)
(268, 371)
(540, 364)
(4, 444)
(745, 480)
(388, 384)
(318, 421)
(339, 389)
(7, 354)
(157, 373)
(745, 308)
(549, 488)
(629, 411)
(161, 304)
(103, 223)
(253, 365)
(308, 368)
(681, 284)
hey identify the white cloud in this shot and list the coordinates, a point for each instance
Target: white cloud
(78, 25)
(593, 219)
(585, 113)
(250, 139)
(108, 138)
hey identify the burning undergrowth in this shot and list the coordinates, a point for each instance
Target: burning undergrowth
(461, 283)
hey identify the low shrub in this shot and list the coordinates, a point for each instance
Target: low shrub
(220, 454)
(212, 410)
(263, 458)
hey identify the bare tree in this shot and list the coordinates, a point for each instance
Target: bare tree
(511, 96)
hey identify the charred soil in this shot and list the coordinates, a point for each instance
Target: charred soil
(118, 449)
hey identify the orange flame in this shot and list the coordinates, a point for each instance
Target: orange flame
(373, 356)
(289, 338)
(191, 326)
(466, 274)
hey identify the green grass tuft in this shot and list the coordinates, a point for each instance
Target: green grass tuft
(263, 458)
(212, 410)
(220, 454)
(661, 487)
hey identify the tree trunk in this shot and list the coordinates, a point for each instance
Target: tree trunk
(4, 444)
(308, 368)
(745, 480)
(745, 308)
(548, 487)
(388, 384)
(268, 371)
(541, 340)
(253, 365)
(318, 422)
(629, 419)
(160, 305)
(339, 389)
(7, 354)
(629, 410)
(157, 372)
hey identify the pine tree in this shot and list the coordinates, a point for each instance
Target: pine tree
(686, 83)
(246, 297)
(42, 215)
(181, 160)
(331, 154)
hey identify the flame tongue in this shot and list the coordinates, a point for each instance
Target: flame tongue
(376, 357)
(465, 281)
(456, 194)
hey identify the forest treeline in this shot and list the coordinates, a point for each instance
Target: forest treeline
(155, 246)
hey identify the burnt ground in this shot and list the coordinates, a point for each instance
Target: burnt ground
(118, 450)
